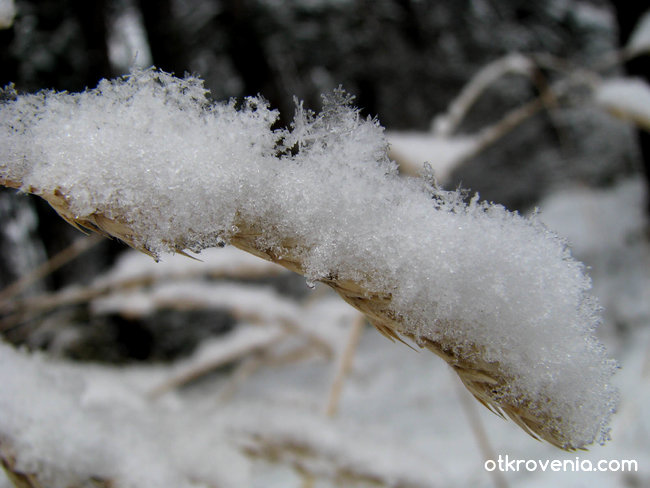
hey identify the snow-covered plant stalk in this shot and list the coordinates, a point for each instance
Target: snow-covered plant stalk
(148, 159)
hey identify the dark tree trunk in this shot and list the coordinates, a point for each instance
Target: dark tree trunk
(248, 55)
(91, 17)
(9, 71)
(166, 41)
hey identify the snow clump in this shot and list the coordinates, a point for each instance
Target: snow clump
(155, 152)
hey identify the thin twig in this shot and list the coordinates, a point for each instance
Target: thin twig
(446, 124)
(27, 308)
(308, 479)
(482, 439)
(494, 132)
(75, 249)
(344, 366)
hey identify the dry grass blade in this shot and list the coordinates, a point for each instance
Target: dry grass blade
(487, 381)
(344, 366)
(481, 436)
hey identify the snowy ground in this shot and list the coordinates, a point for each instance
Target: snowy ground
(404, 417)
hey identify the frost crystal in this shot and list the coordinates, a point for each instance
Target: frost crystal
(151, 152)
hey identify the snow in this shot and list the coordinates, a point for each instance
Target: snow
(401, 416)
(639, 42)
(127, 41)
(339, 445)
(579, 214)
(605, 229)
(393, 419)
(254, 304)
(588, 14)
(7, 13)
(628, 98)
(444, 154)
(322, 323)
(150, 151)
(242, 299)
(55, 415)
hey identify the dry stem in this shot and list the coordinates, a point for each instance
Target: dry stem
(311, 459)
(344, 365)
(482, 438)
(485, 380)
(447, 123)
(55, 262)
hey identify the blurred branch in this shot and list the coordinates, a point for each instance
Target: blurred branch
(136, 271)
(446, 124)
(460, 148)
(330, 459)
(75, 249)
(231, 348)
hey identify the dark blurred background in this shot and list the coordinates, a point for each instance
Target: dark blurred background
(404, 60)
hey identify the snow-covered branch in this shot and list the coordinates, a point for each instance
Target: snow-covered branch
(150, 160)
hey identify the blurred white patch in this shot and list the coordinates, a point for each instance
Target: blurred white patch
(7, 13)
(127, 41)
